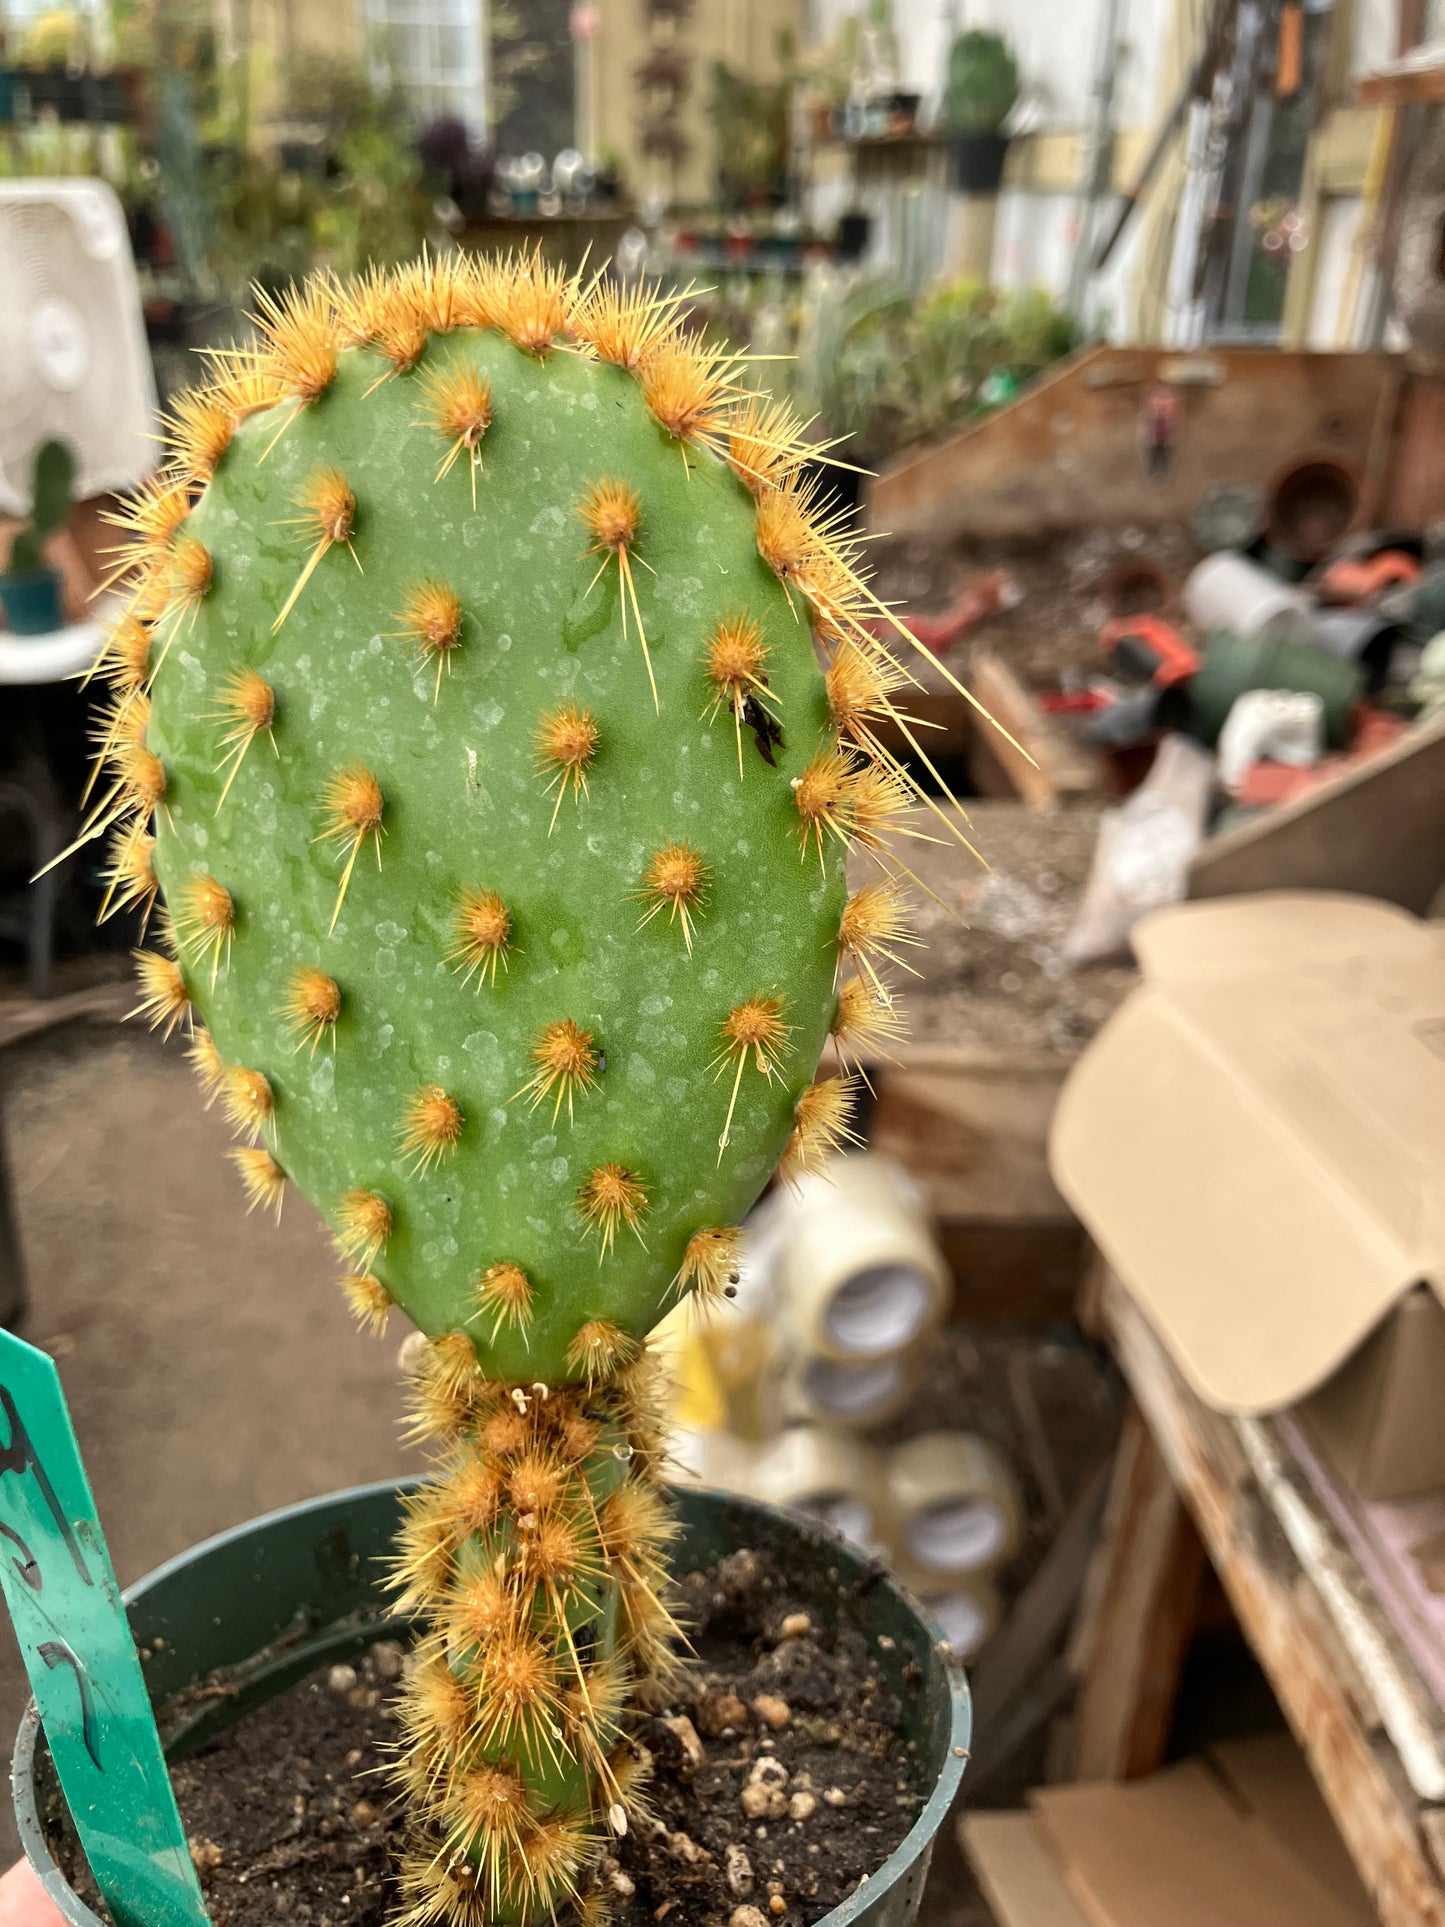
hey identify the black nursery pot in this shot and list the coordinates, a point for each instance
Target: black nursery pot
(977, 161)
(273, 1600)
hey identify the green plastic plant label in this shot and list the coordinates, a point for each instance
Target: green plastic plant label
(78, 1650)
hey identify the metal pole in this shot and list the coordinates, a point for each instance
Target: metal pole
(1194, 85)
(1098, 161)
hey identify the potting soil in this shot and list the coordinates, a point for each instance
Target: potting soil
(780, 1781)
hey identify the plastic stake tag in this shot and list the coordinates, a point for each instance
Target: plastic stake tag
(84, 1670)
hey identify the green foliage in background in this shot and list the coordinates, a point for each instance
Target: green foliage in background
(890, 370)
(51, 499)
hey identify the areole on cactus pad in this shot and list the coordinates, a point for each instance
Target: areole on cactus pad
(468, 714)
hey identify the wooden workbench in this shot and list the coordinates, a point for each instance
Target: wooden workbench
(1365, 1718)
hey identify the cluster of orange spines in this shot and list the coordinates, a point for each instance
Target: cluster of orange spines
(510, 1538)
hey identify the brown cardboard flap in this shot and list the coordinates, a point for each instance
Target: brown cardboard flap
(1257, 1138)
(1268, 1775)
(1019, 1876)
(1172, 1851)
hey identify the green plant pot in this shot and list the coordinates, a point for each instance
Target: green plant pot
(1232, 664)
(977, 162)
(32, 602)
(274, 1599)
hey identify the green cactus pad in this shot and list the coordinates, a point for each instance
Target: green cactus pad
(466, 807)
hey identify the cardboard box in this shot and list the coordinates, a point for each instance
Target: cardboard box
(1241, 1838)
(1256, 1141)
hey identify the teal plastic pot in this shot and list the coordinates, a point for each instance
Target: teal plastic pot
(32, 602)
(1233, 664)
(271, 1601)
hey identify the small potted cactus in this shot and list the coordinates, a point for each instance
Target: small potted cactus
(466, 716)
(980, 92)
(30, 590)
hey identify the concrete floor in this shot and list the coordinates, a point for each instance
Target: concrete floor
(211, 1368)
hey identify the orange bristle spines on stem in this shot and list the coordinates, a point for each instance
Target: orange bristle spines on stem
(431, 1127)
(566, 744)
(566, 1057)
(822, 796)
(247, 1099)
(753, 1028)
(312, 1006)
(482, 934)
(368, 1301)
(503, 1292)
(431, 617)
(600, 1349)
(626, 325)
(689, 392)
(611, 1196)
(363, 1225)
(533, 302)
(611, 512)
(675, 880)
(766, 444)
(822, 1126)
(246, 705)
(262, 1177)
(164, 998)
(205, 919)
(198, 431)
(354, 809)
(710, 1263)
(458, 408)
(300, 339)
(130, 878)
(867, 1020)
(191, 571)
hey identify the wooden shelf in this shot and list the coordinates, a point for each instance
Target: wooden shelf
(1365, 1718)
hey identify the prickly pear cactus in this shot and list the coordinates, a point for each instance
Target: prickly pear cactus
(468, 716)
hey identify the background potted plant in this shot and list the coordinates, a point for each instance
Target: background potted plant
(979, 95)
(537, 1010)
(30, 590)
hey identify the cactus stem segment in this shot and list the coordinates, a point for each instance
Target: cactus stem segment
(755, 1026)
(612, 1195)
(537, 1554)
(354, 809)
(566, 1058)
